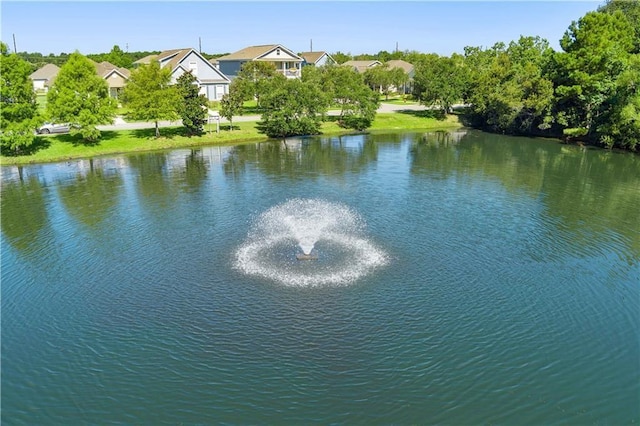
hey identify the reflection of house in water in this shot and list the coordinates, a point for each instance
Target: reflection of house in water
(444, 137)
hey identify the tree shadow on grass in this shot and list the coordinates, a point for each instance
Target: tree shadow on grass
(438, 114)
(165, 132)
(39, 143)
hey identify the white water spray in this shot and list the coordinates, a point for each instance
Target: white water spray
(333, 231)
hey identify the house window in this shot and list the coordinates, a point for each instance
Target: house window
(278, 51)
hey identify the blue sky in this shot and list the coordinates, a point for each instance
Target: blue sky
(348, 26)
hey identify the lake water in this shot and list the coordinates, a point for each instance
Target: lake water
(460, 278)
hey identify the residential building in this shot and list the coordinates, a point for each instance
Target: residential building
(283, 59)
(213, 83)
(44, 77)
(362, 66)
(317, 59)
(408, 68)
(115, 77)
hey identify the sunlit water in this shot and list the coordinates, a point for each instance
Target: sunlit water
(460, 279)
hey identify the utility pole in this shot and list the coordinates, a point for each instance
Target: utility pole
(311, 46)
(396, 47)
(199, 45)
(15, 50)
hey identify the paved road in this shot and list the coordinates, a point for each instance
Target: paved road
(120, 124)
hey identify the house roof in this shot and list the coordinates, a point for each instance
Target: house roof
(313, 57)
(174, 56)
(362, 66)
(253, 53)
(146, 60)
(105, 69)
(47, 72)
(397, 63)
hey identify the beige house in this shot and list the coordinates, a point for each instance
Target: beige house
(115, 77)
(408, 68)
(284, 60)
(362, 66)
(44, 77)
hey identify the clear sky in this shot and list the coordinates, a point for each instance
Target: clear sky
(354, 27)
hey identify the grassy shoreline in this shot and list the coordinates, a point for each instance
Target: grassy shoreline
(65, 147)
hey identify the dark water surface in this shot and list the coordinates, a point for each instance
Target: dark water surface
(509, 294)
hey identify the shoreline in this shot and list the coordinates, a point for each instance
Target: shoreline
(136, 140)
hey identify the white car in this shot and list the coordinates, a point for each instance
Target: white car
(47, 128)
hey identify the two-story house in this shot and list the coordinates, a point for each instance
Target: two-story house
(283, 59)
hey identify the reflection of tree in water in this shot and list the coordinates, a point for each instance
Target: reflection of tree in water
(92, 195)
(152, 178)
(24, 214)
(582, 187)
(299, 158)
(194, 172)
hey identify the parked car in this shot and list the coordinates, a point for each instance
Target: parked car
(47, 128)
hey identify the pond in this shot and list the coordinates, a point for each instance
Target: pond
(452, 278)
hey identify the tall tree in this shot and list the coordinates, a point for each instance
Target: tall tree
(597, 50)
(80, 97)
(150, 95)
(18, 108)
(193, 105)
(439, 82)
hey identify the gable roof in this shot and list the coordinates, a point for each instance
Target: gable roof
(47, 72)
(314, 57)
(362, 66)
(254, 53)
(404, 65)
(174, 57)
(105, 69)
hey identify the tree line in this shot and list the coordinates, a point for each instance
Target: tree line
(586, 92)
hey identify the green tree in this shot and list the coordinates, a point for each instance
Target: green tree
(119, 58)
(631, 10)
(231, 104)
(18, 108)
(439, 81)
(292, 108)
(80, 97)
(597, 50)
(340, 57)
(254, 79)
(346, 88)
(507, 88)
(193, 106)
(150, 95)
(378, 78)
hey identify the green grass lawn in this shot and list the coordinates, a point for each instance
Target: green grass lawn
(41, 100)
(66, 147)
